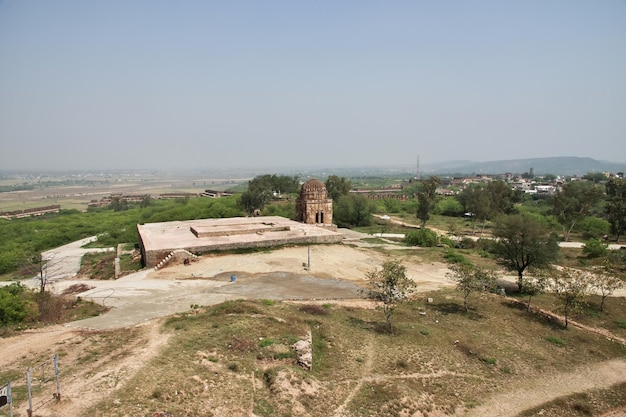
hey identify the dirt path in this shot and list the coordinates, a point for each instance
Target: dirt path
(367, 369)
(81, 391)
(510, 402)
(88, 384)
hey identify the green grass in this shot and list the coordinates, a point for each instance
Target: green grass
(98, 265)
(128, 265)
(555, 340)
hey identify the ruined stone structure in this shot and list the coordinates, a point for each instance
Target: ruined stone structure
(313, 206)
(168, 242)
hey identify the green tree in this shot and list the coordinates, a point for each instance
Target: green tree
(475, 200)
(264, 188)
(595, 177)
(533, 285)
(146, 200)
(522, 242)
(570, 286)
(573, 203)
(337, 186)
(607, 279)
(449, 206)
(470, 279)
(616, 205)
(353, 210)
(391, 286)
(595, 248)
(427, 198)
(592, 226)
(118, 203)
(487, 201)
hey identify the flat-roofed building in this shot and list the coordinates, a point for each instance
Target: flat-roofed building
(158, 240)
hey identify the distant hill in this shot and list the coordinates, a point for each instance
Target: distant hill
(563, 165)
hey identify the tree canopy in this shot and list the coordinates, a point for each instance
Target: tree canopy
(263, 188)
(427, 198)
(616, 205)
(522, 242)
(337, 186)
(391, 286)
(574, 202)
(353, 210)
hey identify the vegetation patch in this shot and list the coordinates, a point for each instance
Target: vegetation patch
(555, 340)
(98, 266)
(314, 309)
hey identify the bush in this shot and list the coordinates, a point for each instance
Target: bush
(466, 243)
(556, 340)
(16, 305)
(455, 258)
(595, 248)
(593, 227)
(314, 309)
(422, 237)
(445, 240)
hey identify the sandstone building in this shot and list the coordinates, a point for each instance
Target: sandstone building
(160, 242)
(313, 206)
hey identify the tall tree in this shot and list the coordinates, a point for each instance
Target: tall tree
(616, 205)
(427, 198)
(487, 201)
(391, 286)
(475, 200)
(574, 202)
(522, 242)
(263, 188)
(353, 210)
(337, 186)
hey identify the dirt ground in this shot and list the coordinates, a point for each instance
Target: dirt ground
(336, 273)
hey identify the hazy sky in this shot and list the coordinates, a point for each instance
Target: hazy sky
(174, 84)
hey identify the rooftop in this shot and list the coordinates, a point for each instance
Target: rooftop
(237, 232)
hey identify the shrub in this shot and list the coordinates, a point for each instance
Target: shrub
(489, 361)
(16, 305)
(455, 258)
(593, 227)
(556, 340)
(445, 240)
(595, 248)
(422, 237)
(466, 243)
(314, 309)
(266, 342)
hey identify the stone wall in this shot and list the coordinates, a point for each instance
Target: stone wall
(153, 258)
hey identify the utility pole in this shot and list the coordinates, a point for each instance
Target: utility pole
(417, 168)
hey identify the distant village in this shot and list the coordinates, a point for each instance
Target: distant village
(529, 183)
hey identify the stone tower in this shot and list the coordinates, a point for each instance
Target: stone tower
(313, 206)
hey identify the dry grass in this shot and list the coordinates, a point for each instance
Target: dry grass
(236, 359)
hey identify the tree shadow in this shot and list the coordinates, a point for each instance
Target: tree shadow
(534, 314)
(454, 308)
(448, 308)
